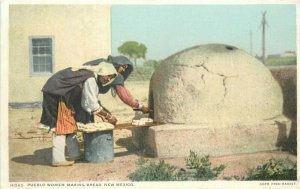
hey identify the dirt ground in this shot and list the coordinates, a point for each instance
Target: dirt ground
(30, 149)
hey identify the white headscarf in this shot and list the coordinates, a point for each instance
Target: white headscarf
(102, 69)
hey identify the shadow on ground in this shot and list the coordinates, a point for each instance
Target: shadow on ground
(40, 157)
(127, 143)
(292, 139)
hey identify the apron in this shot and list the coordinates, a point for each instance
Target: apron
(66, 123)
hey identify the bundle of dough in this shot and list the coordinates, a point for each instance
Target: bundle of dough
(94, 127)
(142, 121)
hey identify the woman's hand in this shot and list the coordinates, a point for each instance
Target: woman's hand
(145, 109)
(111, 119)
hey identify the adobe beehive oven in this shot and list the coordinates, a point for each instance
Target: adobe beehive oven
(214, 83)
(217, 96)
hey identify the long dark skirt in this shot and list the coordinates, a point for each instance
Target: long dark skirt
(50, 109)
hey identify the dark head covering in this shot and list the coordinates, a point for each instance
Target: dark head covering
(116, 61)
(119, 61)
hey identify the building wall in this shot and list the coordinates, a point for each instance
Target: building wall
(80, 32)
(288, 54)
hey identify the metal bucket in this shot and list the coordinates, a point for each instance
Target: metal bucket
(99, 146)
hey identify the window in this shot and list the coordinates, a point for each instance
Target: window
(41, 55)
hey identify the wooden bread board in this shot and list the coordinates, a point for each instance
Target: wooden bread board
(130, 126)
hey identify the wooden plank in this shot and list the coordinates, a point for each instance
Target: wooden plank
(130, 126)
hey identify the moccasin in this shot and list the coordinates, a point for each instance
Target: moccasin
(64, 163)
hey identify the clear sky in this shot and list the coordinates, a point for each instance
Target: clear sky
(167, 29)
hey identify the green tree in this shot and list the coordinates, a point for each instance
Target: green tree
(152, 63)
(134, 50)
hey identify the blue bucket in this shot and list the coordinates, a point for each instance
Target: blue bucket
(98, 146)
